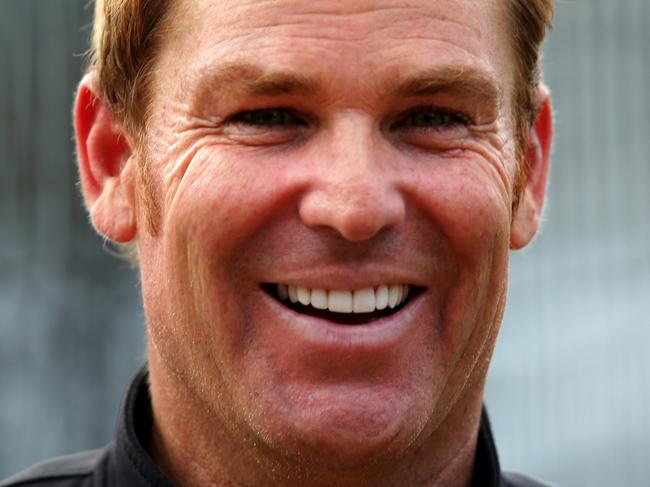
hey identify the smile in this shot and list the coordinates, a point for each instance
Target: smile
(344, 306)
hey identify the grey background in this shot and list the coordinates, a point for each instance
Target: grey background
(568, 388)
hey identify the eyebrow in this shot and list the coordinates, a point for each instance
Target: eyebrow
(453, 79)
(255, 79)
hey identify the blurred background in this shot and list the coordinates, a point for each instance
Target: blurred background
(569, 385)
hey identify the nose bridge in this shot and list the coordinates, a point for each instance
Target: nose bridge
(354, 190)
(351, 172)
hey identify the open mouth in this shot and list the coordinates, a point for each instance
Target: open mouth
(357, 307)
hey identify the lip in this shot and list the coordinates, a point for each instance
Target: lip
(324, 335)
(313, 277)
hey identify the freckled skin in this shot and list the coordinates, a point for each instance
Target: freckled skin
(241, 397)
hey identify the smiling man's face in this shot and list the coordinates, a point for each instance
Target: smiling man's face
(357, 158)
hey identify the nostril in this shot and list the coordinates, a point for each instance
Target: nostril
(356, 213)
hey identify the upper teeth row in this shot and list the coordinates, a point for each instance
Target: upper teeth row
(360, 301)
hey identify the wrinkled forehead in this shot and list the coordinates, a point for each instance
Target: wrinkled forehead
(368, 41)
(365, 16)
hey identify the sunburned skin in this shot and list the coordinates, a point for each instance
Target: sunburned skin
(331, 146)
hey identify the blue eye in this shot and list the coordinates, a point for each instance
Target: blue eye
(430, 117)
(269, 117)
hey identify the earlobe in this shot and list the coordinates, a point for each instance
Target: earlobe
(105, 165)
(527, 217)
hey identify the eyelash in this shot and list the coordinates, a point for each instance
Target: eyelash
(445, 119)
(269, 117)
(283, 117)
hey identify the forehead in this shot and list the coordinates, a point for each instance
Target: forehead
(364, 44)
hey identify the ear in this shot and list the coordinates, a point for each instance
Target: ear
(105, 165)
(527, 217)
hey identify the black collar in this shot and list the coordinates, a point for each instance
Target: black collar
(135, 468)
(133, 465)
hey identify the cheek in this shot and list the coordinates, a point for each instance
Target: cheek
(221, 201)
(470, 205)
(218, 207)
(468, 201)
(207, 212)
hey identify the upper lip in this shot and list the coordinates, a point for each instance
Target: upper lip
(345, 278)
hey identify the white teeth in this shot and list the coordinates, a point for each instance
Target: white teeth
(293, 294)
(319, 298)
(381, 297)
(340, 301)
(304, 295)
(364, 300)
(394, 295)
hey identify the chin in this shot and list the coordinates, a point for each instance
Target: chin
(347, 429)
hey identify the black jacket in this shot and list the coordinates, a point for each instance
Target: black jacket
(125, 463)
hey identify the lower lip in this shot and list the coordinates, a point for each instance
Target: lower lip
(377, 334)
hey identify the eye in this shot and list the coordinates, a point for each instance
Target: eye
(431, 117)
(269, 117)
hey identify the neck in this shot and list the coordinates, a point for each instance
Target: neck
(194, 447)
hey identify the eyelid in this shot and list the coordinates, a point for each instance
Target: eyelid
(296, 118)
(462, 118)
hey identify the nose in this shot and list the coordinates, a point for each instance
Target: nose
(353, 189)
